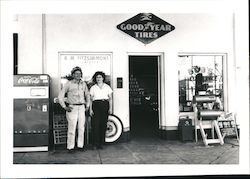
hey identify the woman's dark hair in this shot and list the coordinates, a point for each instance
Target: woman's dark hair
(98, 73)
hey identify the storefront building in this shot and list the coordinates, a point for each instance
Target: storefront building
(152, 71)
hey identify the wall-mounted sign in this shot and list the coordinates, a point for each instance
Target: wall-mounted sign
(89, 63)
(145, 27)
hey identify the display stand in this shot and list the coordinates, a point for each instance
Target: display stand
(228, 126)
(206, 119)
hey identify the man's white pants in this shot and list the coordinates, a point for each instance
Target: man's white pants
(76, 118)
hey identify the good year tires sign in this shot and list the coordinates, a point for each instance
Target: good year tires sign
(145, 27)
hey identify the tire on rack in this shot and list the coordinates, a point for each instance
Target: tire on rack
(114, 129)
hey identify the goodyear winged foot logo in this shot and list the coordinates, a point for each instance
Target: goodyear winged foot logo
(145, 27)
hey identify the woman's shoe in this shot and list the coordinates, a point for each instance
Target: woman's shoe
(99, 147)
(93, 147)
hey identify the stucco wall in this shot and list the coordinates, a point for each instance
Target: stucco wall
(30, 44)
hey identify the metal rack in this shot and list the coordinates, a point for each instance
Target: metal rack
(60, 128)
(60, 124)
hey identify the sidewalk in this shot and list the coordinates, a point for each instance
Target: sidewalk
(140, 151)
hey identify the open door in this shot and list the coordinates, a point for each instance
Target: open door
(143, 96)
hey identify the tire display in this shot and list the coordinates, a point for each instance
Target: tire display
(114, 129)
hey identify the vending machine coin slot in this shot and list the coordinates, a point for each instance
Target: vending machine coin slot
(44, 108)
(28, 108)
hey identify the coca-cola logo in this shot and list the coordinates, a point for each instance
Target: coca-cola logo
(28, 80)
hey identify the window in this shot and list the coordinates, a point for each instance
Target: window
(199, 74)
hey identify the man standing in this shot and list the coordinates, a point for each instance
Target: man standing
(77, 98)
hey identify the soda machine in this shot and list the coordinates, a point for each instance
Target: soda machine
(31, 112)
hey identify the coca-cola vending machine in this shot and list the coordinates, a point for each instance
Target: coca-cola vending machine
(31, 112)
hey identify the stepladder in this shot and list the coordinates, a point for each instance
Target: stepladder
(205, 119)
(210, 123)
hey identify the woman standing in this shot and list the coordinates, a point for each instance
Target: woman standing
(100, 108)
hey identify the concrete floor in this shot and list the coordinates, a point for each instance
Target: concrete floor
(140, 151)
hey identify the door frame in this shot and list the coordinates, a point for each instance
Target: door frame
(161, 82)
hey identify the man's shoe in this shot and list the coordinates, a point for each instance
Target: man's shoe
(81, 149)
(70, 151)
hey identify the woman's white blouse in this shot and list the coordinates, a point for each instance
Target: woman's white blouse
(98, 93)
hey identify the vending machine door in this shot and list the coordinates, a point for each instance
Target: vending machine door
(31, 122)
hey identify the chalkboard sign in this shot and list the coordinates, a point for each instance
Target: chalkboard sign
(228, 125)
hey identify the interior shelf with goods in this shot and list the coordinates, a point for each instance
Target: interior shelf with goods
(210, 82)
(136, 92)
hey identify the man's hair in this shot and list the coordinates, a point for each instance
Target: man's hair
(77, 68)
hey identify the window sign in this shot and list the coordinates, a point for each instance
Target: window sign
(89, 63)
(200, 73)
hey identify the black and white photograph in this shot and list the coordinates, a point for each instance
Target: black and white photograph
(124, 88)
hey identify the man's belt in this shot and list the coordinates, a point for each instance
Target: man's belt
(78, 104)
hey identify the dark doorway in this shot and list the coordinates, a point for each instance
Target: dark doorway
(143, 96)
